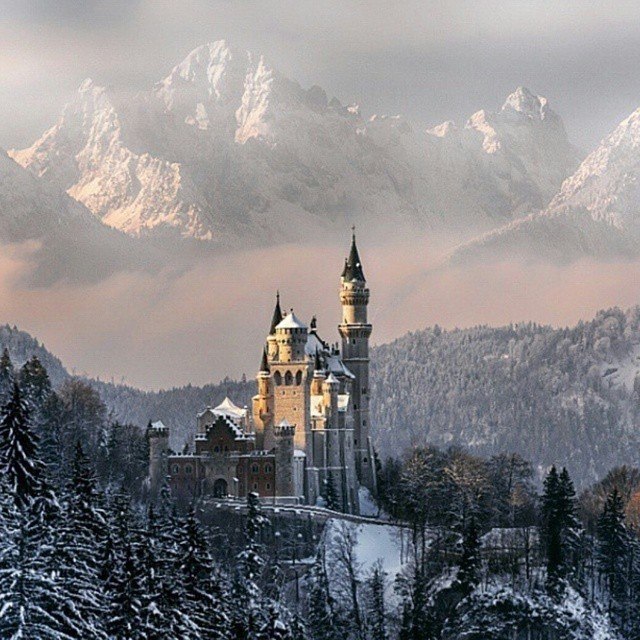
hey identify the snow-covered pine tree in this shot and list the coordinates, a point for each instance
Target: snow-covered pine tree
(470, 561)
(331, 496)
(35, 384)
(613, 547)
(79, 540)
(19, 452)
(320, 615)
(376, 611)
(7, 377)
(552, 527)
(205, 601)
(124, 579)
(247, 613)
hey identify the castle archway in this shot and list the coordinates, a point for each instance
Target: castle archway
(288, 378)
(220, 489)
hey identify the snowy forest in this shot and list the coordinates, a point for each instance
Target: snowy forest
(464, 546)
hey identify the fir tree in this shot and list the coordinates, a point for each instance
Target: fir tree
(613, 547)
(7, 377)
(35, 384)
(319, 605)
(247, 618)
(204, 599)
(376, 606)
(559, 525)
(470, 562)
(18, 451)
(331, 496)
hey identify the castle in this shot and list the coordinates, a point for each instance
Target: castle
(307, 435)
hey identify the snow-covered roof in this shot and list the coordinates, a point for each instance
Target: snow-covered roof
(343, 401)
(332, 379)
(227, 408)
(284, 423)
(299, 454)
(158, 424)
(338, 368)
(291, 321)
(314, 344)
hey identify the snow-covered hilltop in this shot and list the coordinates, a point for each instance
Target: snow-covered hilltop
(225, 148)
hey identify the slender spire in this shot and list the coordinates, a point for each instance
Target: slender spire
(277, 315)
(264, 365)
(352, 266)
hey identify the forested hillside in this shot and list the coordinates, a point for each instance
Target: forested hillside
(530, 389)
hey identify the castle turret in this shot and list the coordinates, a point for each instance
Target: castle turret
(158, 436)
(356, 331)
(291, 335)
(284, 434)
(263, 407)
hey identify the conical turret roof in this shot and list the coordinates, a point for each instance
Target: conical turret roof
(352, 266)
(264, 364)
(277, 315)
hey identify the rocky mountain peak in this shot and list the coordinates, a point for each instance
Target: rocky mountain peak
(523, 101)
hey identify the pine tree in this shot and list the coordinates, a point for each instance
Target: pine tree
(7, 377)
(124, 578)
(559, 526)
(79, 539)
(376, 606)
(613, 547)
(331, 496)
(35, 384)
(319, 605)
(18, 451)
(204, 599)
(470, 562)
(247, 617)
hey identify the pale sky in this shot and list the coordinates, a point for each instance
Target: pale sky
(431, 61)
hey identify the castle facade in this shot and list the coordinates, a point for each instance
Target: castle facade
(306, 438)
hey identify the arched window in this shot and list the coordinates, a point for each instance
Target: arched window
(277, 378)
(267, 468)
(288, 378)
(254, 468)
(299, 378)
(216, 449)
(176, 468)
(187, 469)
(268, 486)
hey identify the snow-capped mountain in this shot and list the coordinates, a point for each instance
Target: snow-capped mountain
(226, 148)
(595, 213)
(69, 241)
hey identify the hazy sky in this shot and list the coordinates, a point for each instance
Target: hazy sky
(429, 60)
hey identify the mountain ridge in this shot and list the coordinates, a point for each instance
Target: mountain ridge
(226, 149)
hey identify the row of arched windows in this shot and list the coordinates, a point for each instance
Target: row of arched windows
(288, 378)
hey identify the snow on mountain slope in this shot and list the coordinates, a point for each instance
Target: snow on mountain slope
(596, 212)
(71, 242)
(226, 148)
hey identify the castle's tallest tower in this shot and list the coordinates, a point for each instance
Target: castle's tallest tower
(355, 331)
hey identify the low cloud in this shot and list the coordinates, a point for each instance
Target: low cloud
(204, 322)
